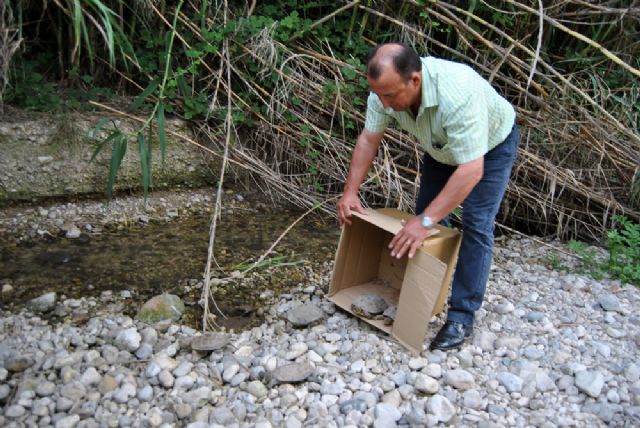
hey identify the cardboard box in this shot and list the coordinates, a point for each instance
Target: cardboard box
(419, 286)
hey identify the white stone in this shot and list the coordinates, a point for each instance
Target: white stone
(426, 384)
(128, 339)
(459, 379)
(590, 382)
(441, 408)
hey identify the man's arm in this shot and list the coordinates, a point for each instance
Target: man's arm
(362, 158)
(455, 191)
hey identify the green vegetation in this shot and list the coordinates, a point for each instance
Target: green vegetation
(623, 247)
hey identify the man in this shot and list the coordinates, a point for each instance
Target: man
(470, 140)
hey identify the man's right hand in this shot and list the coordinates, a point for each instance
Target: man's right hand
(348, 202)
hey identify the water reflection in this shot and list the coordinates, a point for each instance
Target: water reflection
(148, 260)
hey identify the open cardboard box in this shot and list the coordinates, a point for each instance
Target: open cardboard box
(419, 286)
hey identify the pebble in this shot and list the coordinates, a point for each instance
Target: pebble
(304, 315)
(459, 379)
(44, 303)
(609, 302)
(511, 382)
(426, 384)
(441, 408)
(590, 382)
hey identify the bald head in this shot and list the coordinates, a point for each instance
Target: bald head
(392, 56)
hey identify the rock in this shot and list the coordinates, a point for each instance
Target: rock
(128, 339)
(387, 412)
(223, 415)
(535, 316)
(459, 379)
(590, 382)
(44, 303)
(45, 389)
(472, 399)
(107, 384)
(68, 421)
(124, 393)
(485, 340)
(144, 352)
(426, 384)
(392, 397)
(15, 411)
(304, 315)
(166, 378)
(504, 308)
(543, 382)
(354, 404)
(164, 307)
(511, 382)
(145, 393)
(441, 408)
(19, 363)
(257, 389)
(73, 232)
(609, 302)
(7, 289)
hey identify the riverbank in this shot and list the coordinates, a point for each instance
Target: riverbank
(548, 349)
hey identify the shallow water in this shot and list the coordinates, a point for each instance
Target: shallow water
(151, 259)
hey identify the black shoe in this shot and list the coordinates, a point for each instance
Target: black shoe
(451, 336)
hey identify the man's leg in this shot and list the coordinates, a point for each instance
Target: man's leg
(434, 177)
(479, 211)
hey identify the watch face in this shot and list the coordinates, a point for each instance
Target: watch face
(426, 221)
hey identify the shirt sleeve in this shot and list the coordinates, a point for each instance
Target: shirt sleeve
(376, 120)
(466, 124)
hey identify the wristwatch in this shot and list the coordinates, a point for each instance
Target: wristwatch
(427, 222)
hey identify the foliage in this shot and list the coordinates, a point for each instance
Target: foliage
(623, 248)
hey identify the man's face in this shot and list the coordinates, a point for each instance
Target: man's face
(395, 92)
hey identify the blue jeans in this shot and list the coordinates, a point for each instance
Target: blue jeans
(479, 211)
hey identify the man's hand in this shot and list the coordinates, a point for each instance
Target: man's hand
(348, 202)
(409, 238)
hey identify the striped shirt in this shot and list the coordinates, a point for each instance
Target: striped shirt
(461, 117)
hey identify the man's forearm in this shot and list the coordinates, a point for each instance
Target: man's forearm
(458, 187)
(362, 158)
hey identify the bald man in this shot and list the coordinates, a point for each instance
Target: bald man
(470, 141)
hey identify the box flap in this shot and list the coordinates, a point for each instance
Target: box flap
(418, 296)
(383, 220)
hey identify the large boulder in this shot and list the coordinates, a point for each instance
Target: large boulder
(164, 307)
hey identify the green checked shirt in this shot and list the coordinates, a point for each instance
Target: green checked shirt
(461, 117)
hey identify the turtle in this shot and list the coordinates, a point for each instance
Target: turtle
(210, 342)
(370, 306)
(389, 314)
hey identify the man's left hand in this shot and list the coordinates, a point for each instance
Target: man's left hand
(409, 238)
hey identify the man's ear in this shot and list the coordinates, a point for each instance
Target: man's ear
(416, 78)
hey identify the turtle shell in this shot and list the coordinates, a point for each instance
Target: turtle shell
(210, 342)
(369, 304)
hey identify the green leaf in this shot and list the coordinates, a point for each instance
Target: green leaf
(153, 85)
(182, 85)
(145, 164)
(117, 154)
(98, 149)
(162, 137)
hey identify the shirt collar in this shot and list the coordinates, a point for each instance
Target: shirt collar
(428, 89)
